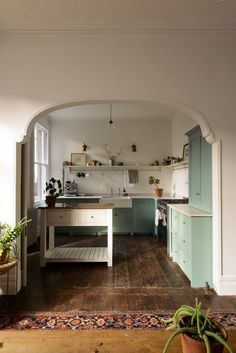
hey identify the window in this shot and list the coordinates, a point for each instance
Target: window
(40, 161)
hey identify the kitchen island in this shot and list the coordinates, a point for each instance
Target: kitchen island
(91, 214)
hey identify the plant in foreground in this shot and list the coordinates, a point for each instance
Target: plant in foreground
(9, 235)
(198, 325)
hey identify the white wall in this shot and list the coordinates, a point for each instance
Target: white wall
(152, 138)
(40, 71)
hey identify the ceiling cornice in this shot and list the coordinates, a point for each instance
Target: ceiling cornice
(138, 28)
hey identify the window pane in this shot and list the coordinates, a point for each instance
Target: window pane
(45, 148)
(36, 183)
(40, 161)
(43, 180)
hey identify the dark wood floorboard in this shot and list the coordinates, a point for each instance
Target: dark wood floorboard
(142, 278)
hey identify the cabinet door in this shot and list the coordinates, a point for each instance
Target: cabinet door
(206, 176)
(195, 172)
(143, 215)
(122, 221)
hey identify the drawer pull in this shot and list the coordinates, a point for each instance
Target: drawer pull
(92, 216)
(183, 222)
(198, 193)
(184, 241)
(61, 217)
(184, 262)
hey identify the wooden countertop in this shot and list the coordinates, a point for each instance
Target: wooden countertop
(82, 206)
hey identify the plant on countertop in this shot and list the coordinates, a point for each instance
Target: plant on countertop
(9, 235)
(193, 323)
(153, 181)
(54, 187)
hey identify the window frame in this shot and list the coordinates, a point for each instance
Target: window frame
(40, 161)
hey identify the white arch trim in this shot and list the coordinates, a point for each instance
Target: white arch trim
(207, 133)
(179, 107)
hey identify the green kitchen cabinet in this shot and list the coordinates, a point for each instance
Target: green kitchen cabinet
(122, 220)
(190, 244)
(143, 215)
(200, 171)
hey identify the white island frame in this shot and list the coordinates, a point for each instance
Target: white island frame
(75, 215)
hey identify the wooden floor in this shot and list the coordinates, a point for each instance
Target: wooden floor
(92, 341)
(142, 278)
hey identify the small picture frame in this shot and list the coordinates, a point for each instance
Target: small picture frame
(79, 159)
(185, 152)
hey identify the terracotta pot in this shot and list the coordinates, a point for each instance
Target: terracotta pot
(190, 345)
(4, 257)
(51, 200)
(159, 192)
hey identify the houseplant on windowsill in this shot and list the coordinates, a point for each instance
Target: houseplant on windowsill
(8, 238)
(155, 181)
(53, 189)
(199, 333)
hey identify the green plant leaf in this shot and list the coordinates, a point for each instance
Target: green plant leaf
(219, 339)
(176, 333)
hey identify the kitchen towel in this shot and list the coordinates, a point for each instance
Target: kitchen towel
(133, 176)
(157, 217)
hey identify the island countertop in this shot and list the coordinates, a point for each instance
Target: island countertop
(82, 206)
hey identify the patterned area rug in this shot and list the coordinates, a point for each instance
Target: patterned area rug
(87, 321)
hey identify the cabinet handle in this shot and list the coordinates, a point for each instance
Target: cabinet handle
(183, 222)
(198, 193)
(184, 241)
(184, 262)
(92, 216)
(61, 217)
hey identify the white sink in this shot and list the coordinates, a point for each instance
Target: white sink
(119, 201)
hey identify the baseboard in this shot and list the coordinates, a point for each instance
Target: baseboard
(227, 285)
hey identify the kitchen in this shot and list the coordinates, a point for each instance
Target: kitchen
(143, 135)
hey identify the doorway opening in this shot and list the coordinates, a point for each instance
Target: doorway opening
(90, 145)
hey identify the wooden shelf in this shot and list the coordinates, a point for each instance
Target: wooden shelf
(115, 168)
(88, 254)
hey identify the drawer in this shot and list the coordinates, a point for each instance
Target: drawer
(91, 217)
(185, 264)
(176, 251)
(175, 219)
(60, 217)
(184, 223)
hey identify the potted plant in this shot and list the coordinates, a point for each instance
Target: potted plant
(199, 333)
(155, 181)
(8, 237)
(53, 189)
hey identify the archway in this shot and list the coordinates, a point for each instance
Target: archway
(207, 134)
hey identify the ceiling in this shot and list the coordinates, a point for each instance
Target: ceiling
(70, 14)
(119, 111)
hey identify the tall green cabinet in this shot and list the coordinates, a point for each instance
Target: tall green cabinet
(200, 171)
(190, 226)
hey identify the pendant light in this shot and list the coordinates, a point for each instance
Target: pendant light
(111, 124)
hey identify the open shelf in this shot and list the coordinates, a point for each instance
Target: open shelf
(114, 168)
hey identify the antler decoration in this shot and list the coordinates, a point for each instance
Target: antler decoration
(112, 155)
